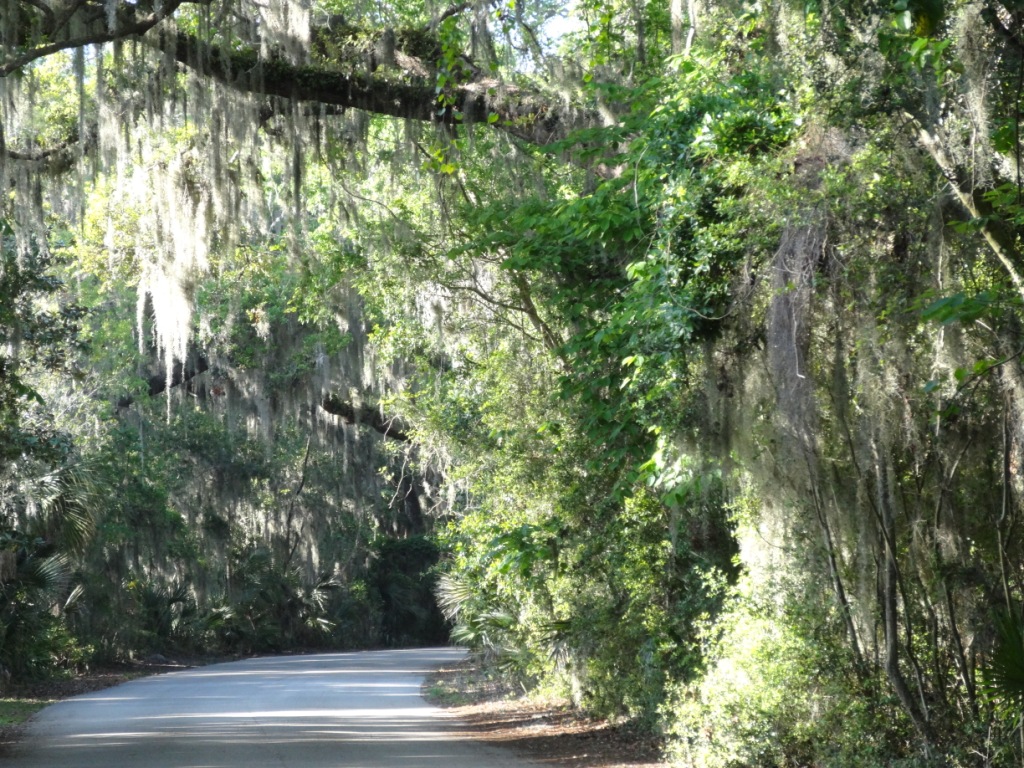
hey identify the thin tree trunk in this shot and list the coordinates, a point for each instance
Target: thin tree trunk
(289, 545)
(693, 11)
(1004, 514)
(1000, 240)
(641, 32)
(959, 655)
(837, 584)
(890, 597)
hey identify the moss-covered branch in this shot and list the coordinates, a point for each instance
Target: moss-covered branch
(384, 92)
(363, 415)
(380, 70)
(90, 22)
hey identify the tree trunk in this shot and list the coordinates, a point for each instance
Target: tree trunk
(890, 598)
(678, 26)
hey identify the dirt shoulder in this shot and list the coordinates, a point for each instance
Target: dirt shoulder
(548, 733)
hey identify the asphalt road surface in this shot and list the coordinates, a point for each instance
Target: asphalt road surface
(340, 710)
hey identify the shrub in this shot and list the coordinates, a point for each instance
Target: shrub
(774, 695)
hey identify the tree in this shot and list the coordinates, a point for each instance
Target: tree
(46, 506)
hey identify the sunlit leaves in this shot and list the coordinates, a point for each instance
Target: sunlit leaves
(960, 308)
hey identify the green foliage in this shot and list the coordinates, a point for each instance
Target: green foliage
(771, 697)
(403, 572)
(37, 333)
(633, 625)
(34, 596)
(46, 499)
(1003, 679)
(644, 264)
(717, 399)
(606, 605)
(959, 308)
(268, 608)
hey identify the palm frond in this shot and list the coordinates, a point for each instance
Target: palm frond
(71, 601)
(1002, 679)
(453, 594)
(48, 574)
(60, 506)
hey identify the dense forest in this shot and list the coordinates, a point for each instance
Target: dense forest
(670, 354)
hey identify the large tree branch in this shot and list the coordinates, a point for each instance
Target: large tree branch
(365, 415)
(523, 114)
(382, 71)
(181, 373)
(131, 20)
(53, 160)
(1000, 240)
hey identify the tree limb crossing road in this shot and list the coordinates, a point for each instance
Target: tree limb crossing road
(343, 710)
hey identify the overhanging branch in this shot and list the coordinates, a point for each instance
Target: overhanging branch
(516, 111)
(365, 416)
(131, 20)
(1000, 241)
(388, 72)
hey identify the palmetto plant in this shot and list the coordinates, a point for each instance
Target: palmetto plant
(160, 613)
(478, 623)
(1003, 677)
(45, 518)
(33, 638)
(58, 507)
(271, 606)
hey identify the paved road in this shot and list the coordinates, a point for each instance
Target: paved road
(343, 710)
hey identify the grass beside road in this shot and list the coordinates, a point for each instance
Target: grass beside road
(17, 711)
